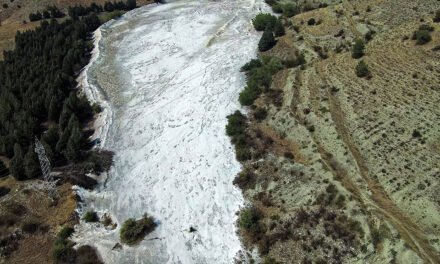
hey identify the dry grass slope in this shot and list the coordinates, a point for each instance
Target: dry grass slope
(375, 140)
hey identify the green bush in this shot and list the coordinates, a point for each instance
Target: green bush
(236, 124)
(249, 218)
(133, 231)
(362, 69)
(422, 36)
(277, 8)
(358, 49)
(267, 40)
(62, 249)
(263, 21)
(248, 96)
(254, 63)
(90, 216)
(290, 10)
(65, 233)
(259, 78)
(242, 153)
(300, 60)
(260, 114)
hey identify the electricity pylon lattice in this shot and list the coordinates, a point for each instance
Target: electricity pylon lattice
(49, 183)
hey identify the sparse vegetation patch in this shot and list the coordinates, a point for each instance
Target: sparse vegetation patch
(133, 231)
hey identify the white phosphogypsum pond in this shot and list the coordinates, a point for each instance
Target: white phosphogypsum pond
(167, 76)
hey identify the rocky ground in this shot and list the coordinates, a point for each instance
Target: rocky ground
(350, 166)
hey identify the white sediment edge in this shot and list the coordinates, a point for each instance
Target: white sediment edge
(102, 120)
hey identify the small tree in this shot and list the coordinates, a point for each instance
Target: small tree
(263, 21)
(267, 40)
(362, 69)
(358, 49)
(31, 164)
(17, 163)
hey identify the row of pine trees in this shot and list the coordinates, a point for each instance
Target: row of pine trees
(38, 94)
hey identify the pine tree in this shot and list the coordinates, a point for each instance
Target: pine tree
(358, 49)
(3, 170)
(17, 163)
(74, 145)
(131, 4)
(267, 40)
(362, 69)
(54, 111)
(31, 164)
(65, 116)
(51, 137)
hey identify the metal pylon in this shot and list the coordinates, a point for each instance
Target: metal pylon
(49, 183)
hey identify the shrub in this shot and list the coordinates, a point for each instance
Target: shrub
(259, 78)
(236, 124)
(242, 153)
(65, 233)
(260, 114)
(278, 29)
(263, 21)
(311, 22)
(422, 37)
(249, 218)
(62, 249)
(4, 190)
(300, 60)
(30, 226)
(437, 16)
(376, 237)
(290, 10)
(87, 255)
(244, 179)
(133, 231)
(423, 34)
(358, 49)
(248, 96)
(277, 8)
(362, 69)
(90, 216)
(267, 40)
(254, 63)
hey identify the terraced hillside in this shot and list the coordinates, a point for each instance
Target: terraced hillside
(355, 159)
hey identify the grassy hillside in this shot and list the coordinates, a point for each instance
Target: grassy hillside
(345, 168)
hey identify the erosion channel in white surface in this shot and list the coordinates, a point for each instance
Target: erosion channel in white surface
(170, 75)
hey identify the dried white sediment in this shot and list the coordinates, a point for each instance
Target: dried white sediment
(167, 93)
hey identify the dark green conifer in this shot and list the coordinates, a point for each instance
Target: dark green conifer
(267, 40)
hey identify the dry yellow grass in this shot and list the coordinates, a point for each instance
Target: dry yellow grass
(359, 134)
